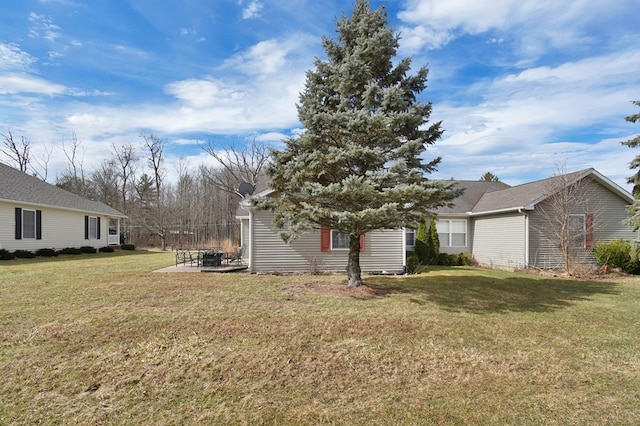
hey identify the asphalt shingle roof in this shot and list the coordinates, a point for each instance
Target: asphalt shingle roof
(474, 190)
(17, 186)
(525, 195)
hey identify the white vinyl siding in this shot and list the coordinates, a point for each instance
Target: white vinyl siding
(60, 229)
(500, 240)
(384, 250)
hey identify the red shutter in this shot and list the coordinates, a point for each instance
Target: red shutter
(362, 242)
(325, 239)
(588, 225)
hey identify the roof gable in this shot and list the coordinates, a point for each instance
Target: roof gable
(474, 190)
(528, 195)
(21, 188)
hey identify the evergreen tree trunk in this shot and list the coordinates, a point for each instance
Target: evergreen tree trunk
(354, 273)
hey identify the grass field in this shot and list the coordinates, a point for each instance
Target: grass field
(101, 339)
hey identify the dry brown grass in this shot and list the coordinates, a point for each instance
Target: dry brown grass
(102, 340)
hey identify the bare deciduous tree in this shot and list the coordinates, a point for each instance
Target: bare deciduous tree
(126, 159)
(42, 161)
(156, 222)
(569, 216)
(74, 178)
(240, 164)
(17, 151)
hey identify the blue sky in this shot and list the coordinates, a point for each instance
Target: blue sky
(522, 87)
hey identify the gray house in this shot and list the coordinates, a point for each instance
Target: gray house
(497, 224)
(35, 215)
(319, 250)
(514, 226)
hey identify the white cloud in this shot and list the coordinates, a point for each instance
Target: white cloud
(265, 57)
(253, 10)
(199, 93)
(43, 26)
(534, 25)
(20, 83)
(13, 58)
(518, 128)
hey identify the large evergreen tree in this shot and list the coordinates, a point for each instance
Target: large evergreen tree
(357, 166)
(634, 210)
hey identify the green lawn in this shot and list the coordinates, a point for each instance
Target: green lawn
(101, 339)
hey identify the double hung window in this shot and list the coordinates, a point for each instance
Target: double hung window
(452, 232)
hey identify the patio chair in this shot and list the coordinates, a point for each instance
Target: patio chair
(237, 256)
(184, 256)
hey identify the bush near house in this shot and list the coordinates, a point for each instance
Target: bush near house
(6, 255)
(24, 254)
(46, 252)
(88, 249)
(128, 246)
(413, 264)
(619, 254)
(70, 250)
(106, 249)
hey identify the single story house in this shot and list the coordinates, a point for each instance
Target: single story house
(497, 224)
(35, 214)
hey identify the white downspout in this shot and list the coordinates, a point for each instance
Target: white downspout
(404, 248)
(526, 237)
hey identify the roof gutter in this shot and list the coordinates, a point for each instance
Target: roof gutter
(27, 203)
(529, 207)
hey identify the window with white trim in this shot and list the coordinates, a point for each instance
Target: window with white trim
(339, 240)
(410, 237)
(452, 232)
(28, 223)
(578, 230)
(93, 228)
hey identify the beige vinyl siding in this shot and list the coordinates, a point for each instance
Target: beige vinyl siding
(60, 229)
(469, 240)
(384, 250)
(500, 240)
(609, 212)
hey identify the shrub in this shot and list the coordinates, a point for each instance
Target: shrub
(87, 249)
(464, 259)
(6, 255)
(24, 254)
(634, 261)
(70, 250)
(106, 249)
(422, 249)
(445, 259)
(615, 253)
(413, 264)
(128, 247)
(46, 252)
(619, 254)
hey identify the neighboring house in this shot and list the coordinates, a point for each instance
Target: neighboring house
(510, 227)
(497, 224)
(35, 215)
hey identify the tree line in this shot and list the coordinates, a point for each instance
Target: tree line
(198, 209)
